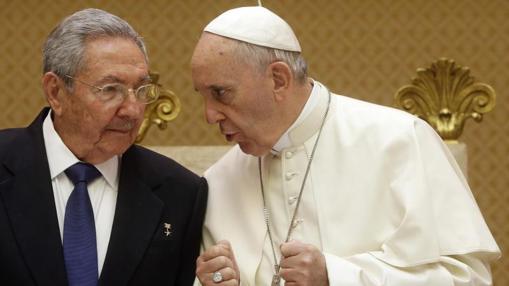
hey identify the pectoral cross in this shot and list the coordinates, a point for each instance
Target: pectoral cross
(276, 278)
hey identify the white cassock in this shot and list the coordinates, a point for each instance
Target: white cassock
(384, 200)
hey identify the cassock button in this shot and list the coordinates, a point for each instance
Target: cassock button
(292, 200)
(296, 222)
(290, 175)
(288, 155)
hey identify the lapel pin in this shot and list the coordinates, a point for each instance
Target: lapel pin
(167, 227)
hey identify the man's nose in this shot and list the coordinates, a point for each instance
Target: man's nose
(130, 106)
(212, 114)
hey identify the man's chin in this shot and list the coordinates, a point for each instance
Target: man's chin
(107, 153)
(107, 149)
(253, 149)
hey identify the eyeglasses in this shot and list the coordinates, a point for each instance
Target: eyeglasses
(117, 93)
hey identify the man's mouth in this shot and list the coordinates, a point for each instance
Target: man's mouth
(229, 135)
(122, 128)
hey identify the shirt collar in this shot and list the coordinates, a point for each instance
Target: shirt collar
(60, 157)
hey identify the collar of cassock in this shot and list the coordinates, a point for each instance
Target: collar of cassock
(308, 121)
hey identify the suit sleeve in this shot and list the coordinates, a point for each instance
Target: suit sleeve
(191, 246)
(442, 238)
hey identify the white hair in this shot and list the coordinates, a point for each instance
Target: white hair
(64, 48)
(260, 57)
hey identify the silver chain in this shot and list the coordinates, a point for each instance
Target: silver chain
(277, 266)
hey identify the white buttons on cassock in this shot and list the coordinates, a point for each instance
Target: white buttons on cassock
(292, 200)
(288, 154)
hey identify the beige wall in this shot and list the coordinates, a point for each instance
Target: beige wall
(363, 48)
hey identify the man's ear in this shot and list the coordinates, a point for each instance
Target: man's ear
(54, 89)
(282, 77)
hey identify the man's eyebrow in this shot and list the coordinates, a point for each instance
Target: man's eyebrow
(215, 86)
(111, 78)
(145, 79)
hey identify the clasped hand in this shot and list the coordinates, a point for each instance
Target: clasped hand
(218, 258)
(303, 264)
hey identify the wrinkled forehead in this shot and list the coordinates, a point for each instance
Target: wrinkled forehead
(213, 47)
(113, 57)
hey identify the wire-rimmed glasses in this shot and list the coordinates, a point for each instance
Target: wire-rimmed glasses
(117, 92)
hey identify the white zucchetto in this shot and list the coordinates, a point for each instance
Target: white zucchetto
(255, 25)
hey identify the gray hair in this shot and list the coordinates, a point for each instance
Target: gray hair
(64, 48)
(260, 57)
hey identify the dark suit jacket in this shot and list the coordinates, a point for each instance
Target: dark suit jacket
(153, 190)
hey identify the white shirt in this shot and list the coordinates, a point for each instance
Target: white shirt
(102, 191)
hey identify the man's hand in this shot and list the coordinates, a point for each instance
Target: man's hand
(303, 264)
(218, 258)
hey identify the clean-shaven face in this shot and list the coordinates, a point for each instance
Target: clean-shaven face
(237, 96)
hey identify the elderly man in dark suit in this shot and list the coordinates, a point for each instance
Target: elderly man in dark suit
(79, 203)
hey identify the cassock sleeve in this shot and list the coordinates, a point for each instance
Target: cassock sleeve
(442, 238)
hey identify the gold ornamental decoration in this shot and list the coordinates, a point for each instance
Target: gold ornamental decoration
(160, 112)
(446, 95)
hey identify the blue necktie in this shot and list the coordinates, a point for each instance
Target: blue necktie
(80, 250)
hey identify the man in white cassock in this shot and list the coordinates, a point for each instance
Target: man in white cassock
(323, 189)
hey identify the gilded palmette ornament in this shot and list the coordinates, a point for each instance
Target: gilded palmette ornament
(160, 112)
(446, 95)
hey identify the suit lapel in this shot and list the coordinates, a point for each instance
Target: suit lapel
(30, 205)
(137, 216)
